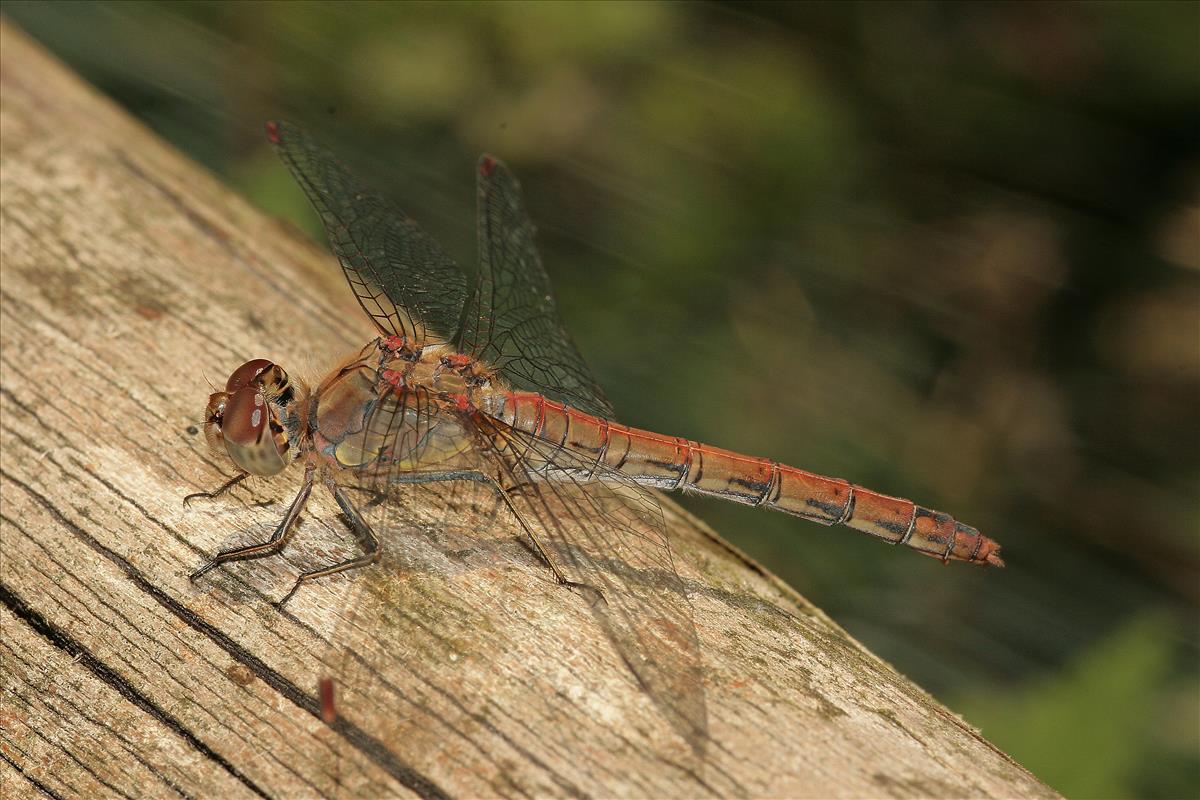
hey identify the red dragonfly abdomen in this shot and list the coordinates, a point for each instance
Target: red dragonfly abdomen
(671, 462)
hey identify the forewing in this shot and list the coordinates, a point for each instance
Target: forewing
(606, 532)
(405, 282)
(512, 321)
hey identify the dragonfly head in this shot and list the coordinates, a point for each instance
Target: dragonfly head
(247, 418)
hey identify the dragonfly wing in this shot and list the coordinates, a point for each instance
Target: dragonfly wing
(511, 321)
(419, 459)
(411, 458)
(606, 532)
(404, 281)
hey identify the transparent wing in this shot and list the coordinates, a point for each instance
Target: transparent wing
(405, 282)
(606, 532)
(511, 321)
(599, 528)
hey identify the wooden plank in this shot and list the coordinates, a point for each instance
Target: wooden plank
(129, 273)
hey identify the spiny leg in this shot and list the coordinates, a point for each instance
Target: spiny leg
(278, 539)
(481, 477)
(363, 534)
(369, 542)
(220, 490)
(496, 443)
(506, 495)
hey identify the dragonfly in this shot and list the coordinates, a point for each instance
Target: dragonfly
(484, 385)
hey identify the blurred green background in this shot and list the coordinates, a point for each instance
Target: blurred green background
(947, 251)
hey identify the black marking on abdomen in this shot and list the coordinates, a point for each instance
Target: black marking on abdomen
(892, 527)
(757, 487)
(829, 510)
(668, 466)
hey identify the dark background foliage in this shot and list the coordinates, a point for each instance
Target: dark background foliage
(948, 251)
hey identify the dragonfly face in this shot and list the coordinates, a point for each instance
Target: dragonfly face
(247, 419)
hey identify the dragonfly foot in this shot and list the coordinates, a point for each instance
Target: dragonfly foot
(211, 565)
(279, 604)
(220, 490)
(188, 498)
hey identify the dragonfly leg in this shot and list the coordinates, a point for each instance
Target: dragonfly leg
(528, 529)
(596, 595)
(278, 538)
(369, 542)
(220, 490)
(365, 537)
(363, 534)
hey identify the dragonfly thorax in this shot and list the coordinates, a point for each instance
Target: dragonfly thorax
(438, 368)
(252, 419)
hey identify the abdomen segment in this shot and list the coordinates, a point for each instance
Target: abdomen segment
(668, 462)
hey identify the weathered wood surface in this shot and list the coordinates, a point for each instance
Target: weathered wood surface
(128, 274)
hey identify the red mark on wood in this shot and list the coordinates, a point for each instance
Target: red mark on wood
(328, 710)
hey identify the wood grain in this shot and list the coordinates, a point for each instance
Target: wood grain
(128, 274)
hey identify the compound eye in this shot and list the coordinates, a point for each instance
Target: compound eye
(246, 429)
(245, 416)
(247, 373)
